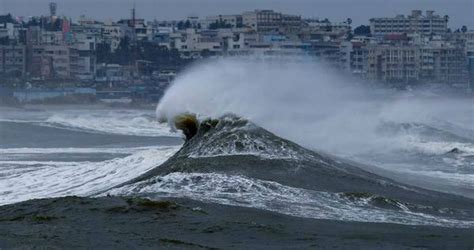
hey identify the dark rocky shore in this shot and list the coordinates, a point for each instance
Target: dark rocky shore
(127, 223)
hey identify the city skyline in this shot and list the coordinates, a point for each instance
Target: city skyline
(459, 11)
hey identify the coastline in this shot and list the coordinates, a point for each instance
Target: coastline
(93, 105)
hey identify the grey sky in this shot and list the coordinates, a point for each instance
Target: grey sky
(461, 12)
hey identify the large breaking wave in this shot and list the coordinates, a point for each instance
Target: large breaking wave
(401, 133)
(234, 162)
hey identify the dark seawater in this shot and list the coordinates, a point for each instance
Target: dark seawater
(54, 152)
(232, 161)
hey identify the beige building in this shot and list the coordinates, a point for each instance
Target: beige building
(434, 62)
(415, 23)
(51, 61)
(443, 63)
(393, 63)
(270, 21)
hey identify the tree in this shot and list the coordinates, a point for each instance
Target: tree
(123, 54)
(187, 24)
(362, 30)
(8, 18)
(205, 53)
(349, 36)
(464, 29)
(180, 25)
(103, 53)
(349, 21)
(4, 40)
(214, 25)
(220, 24)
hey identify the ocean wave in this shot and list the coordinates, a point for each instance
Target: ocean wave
(53, 179)
(111, 124)
(122, 122)
(269, 195)
(231, 135)
(33, 151)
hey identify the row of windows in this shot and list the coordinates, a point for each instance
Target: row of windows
(16, 60)
(409, 26)
(404, 31)
(434, 20)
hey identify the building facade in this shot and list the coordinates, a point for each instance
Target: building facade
(12, 60)
(389, 63)
(415, 23)
(269, 20)
(443, 63)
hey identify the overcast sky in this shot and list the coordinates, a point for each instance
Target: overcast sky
(461, 12)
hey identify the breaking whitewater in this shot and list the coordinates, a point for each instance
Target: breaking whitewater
(264, 148)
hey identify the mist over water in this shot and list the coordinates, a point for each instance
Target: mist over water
(307, 102)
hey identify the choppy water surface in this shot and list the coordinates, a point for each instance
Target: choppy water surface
(87, 152)
(50, 152)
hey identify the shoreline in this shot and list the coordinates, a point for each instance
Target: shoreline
(32, 106)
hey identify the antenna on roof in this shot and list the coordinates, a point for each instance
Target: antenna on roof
(52, 8)
(133, 15)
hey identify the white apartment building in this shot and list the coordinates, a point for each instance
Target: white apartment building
(113, 33)
(144, 32)
(7, 30)
(83, 59)
(469, 46)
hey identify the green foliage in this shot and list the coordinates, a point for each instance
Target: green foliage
(362, 30)
(4, 40)
(8, 18)
(181, 25)
(220, 24)
(128, 53)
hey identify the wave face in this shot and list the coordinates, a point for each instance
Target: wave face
(396, 134)
(235, 162)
